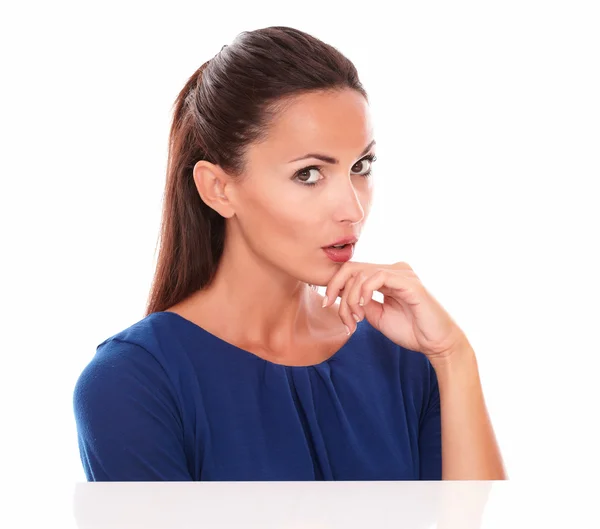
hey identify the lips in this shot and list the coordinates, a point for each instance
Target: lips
(340, 255)
(344, 241)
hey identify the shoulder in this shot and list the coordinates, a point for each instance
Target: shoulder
(140, 343)
(146, 333)
(134, 357)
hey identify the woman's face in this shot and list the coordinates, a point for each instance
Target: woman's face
(288, 212)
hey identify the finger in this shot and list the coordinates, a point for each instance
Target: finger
(344, 311)
(354, 295)
(405, 289)
(401, 265)
(338, 281)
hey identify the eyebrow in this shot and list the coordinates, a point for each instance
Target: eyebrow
(329, 159)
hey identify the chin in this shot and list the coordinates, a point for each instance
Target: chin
(319, 276)
(320, 280)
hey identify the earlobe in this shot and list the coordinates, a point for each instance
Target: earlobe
(210, 186)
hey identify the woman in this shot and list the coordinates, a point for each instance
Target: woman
(240, 370)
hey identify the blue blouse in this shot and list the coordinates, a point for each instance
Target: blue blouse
(165, 400)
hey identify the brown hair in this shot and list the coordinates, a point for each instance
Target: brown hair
(226, 105)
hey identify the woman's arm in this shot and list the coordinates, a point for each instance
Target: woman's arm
(469, 447)
(128, 424)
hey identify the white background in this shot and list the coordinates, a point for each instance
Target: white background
(487, 121)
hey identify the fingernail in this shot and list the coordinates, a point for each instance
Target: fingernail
(347, 330)
(362, 301)
(356, 317)
(324, 302)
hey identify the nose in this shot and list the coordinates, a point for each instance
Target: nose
(347, 204)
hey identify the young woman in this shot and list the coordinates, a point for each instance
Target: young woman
(240, 370)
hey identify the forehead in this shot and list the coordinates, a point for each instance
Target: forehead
(333, 123)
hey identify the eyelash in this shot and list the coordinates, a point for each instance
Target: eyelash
(372, 158)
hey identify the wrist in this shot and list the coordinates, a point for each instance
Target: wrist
(459, 358)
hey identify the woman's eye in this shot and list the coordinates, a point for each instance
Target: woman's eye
(304, 176)
(367, 163)
(304, 172)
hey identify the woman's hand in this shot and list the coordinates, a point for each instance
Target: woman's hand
(409, 315)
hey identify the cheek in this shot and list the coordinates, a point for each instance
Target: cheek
(292, 229)
(295, 224)
(275, 220)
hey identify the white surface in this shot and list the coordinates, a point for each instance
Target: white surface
(307, 505)
(486, 183)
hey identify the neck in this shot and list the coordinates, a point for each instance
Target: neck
(256, 304)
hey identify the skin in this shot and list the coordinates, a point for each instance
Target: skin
(276, 226)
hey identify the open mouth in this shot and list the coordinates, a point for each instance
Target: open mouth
(339, 247)
(340, 253)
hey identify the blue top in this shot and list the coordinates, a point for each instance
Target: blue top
(166, 400)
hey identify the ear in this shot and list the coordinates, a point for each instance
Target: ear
(212, 185)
